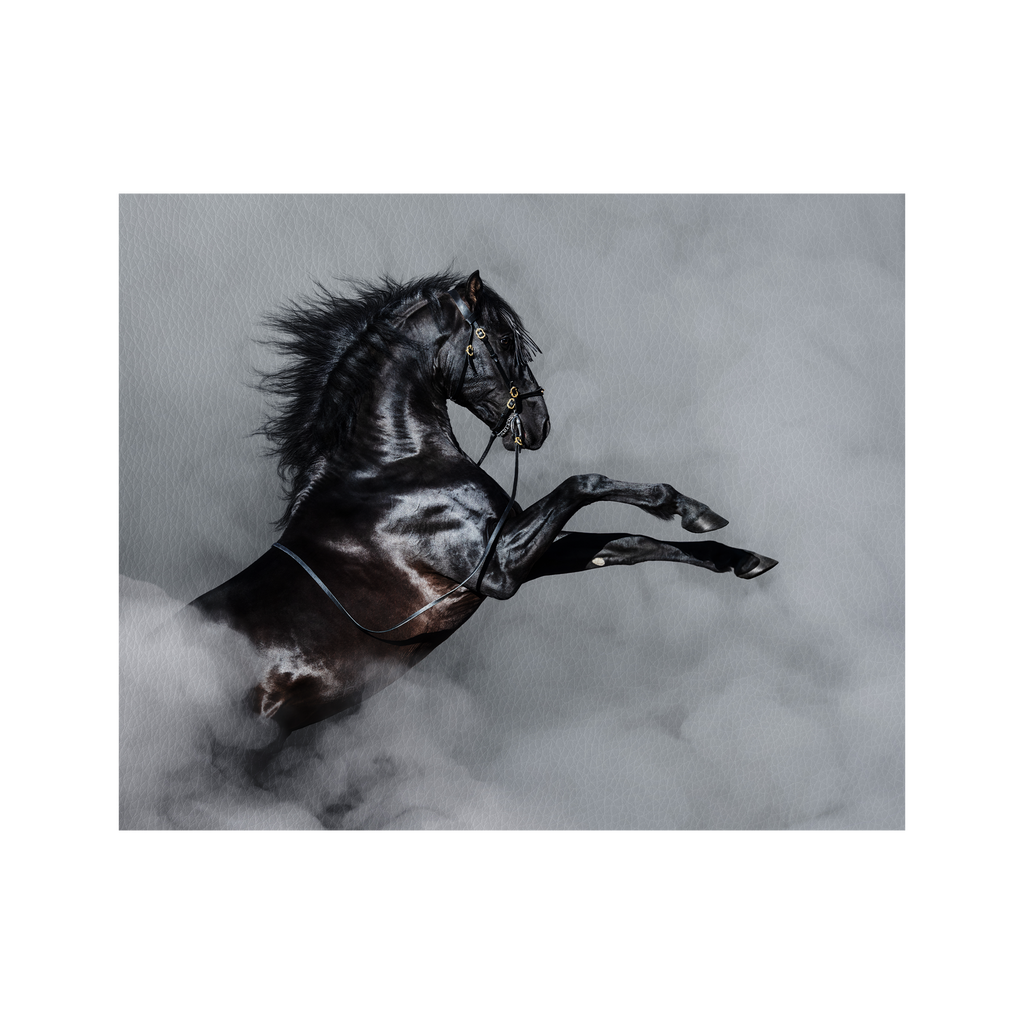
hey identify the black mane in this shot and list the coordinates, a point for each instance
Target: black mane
(333, 348)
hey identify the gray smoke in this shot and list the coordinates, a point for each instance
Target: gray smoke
(745, 349)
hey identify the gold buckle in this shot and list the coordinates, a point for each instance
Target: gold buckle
(514, 391)
(510, 404)
(519, 441)
(469, 350)
(481, 333)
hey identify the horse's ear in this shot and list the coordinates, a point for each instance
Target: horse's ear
(473, 288)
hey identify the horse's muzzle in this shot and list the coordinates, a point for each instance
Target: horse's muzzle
(535, 428)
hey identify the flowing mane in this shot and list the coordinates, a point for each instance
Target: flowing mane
(334, 347)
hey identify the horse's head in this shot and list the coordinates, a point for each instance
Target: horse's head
(486, 361)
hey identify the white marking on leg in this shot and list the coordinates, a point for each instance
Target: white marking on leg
(598, 561)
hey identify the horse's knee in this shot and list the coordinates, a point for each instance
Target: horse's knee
(500, 588)
(281, 687)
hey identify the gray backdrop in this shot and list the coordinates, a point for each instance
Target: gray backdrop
(748, 350)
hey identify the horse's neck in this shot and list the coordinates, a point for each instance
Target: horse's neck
(398, 423)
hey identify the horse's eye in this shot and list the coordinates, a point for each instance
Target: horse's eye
(505, 341)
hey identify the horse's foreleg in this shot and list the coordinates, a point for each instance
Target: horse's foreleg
(579, 552)
(661, 500)
(527, 537)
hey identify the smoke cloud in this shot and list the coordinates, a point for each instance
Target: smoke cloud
(745, 349)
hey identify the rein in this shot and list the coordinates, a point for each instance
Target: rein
(509, 419)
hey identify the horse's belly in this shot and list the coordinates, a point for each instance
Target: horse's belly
(298, 687)
(315, 661)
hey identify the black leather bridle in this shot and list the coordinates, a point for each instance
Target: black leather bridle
(511, 415)
(510, 418)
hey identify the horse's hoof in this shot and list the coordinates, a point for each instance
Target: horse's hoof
(755, 565)
(705, 522)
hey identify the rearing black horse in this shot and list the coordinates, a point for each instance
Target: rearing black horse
(389, 523)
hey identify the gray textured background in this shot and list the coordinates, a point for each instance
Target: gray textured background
(748, 350)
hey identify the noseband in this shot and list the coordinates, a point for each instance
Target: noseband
(510, 418)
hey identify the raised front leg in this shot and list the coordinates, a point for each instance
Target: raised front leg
(528, 536)
(578, 552)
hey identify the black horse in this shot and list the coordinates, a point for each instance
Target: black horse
(393, 536)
